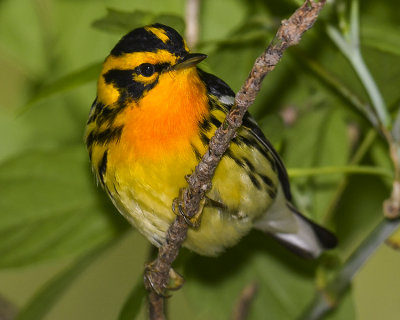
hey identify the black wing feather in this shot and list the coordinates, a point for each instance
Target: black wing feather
(219, 88)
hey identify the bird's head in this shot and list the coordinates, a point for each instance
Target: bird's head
(139, 59)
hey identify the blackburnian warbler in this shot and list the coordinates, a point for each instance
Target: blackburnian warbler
(149, 126)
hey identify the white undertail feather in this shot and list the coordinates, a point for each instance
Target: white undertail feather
(290, 227)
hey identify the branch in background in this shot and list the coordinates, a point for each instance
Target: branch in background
(242, 307)
(7, 310)
(391, 206)
(348, 42)
(289, 34)
(327, 298)
(192, 22)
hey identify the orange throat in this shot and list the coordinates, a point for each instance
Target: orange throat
(165, 121)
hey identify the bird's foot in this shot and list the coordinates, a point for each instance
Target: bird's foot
(154, 280)
(178, 207)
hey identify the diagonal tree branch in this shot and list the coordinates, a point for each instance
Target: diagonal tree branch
(289, 34)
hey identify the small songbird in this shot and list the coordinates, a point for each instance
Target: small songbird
(149, 126)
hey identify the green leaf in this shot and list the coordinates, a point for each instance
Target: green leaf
(360, 209)
(48, 295)
(273, 128)
(10, 127)
(318, 139)
(121, 22)
(333, 149)
(134, 302)
(396, 127)
(68, 82)
(322, 73)
(285, 281)
(50, 207)
(379, 153)
(303, 139)
(382, 37)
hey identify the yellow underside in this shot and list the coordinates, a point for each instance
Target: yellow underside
(143, 191)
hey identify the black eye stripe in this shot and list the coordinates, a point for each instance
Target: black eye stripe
(145, 68)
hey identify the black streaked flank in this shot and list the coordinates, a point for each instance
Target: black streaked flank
(254, 180)
(205, 124)
(101, 113)
(95, 110)
(269, 152)
(215, 204)
(142, 40)
(108, 114)
(103, 137)
(266, 180)
(269, 156)
(216, 105)
(103, 167)
(271, 193)
(249, 164)
(215, 121)
(115, 190)
(90, 139)
(237, 141)
(109, 135)
(254, 143)
(105, 114)
(204, 139)
(196, 152)
(250, 142)
(230, 154)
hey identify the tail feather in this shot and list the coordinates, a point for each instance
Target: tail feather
(327, 239)
(295, 231)
(310, 240)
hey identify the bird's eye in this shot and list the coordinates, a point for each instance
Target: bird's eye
(146, 69)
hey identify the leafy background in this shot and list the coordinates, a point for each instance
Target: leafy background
(64, 251)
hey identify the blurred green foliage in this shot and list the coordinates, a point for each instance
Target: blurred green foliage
(52, 212)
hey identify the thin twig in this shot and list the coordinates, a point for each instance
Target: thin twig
(192, 22)
(289, 34)
(242, 307)
(391, 206)
(350, 169)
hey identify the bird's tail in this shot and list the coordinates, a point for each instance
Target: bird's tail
(298, 233)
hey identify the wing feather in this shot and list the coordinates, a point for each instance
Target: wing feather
(218, 88)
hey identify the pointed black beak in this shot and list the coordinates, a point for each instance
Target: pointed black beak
(190, 60)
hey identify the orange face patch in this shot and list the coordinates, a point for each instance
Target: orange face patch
(166, 119)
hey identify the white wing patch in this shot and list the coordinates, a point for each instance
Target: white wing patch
(228, 100)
